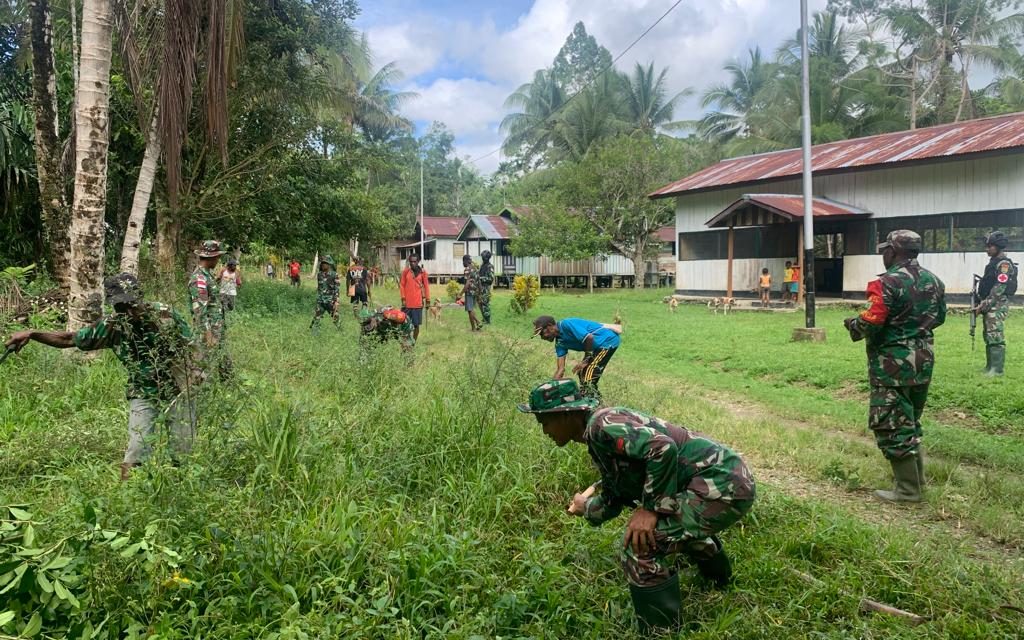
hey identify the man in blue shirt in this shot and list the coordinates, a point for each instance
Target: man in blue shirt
(597, 341)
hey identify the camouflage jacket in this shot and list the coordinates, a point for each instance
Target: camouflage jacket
(907, 303)
(375, 324)
(472, 277)
(204, 298)
(998, 283)
(486, 274)
(156, 349)
(328, 287)
(648, 462)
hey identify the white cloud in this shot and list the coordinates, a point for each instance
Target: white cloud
(694, 41)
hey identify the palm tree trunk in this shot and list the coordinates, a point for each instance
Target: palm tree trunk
(140, 203)
(44, 100)
(92, 136)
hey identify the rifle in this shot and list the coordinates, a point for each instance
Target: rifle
(8, 352)
(974, 303)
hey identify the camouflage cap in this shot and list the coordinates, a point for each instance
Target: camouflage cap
(997, 239)
(558, 395)
(328, 260)
(210, 249)
(124, 288)
(901, 239)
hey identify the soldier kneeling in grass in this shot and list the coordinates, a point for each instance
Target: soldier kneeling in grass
(155, 345)
(684, 489)
(387, 323)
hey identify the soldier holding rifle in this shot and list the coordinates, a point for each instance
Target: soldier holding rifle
(991, 299)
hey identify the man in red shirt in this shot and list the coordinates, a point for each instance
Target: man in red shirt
(414, 289)
(294, 271)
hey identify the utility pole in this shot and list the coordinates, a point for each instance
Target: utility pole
(422, 256)
(809, 332)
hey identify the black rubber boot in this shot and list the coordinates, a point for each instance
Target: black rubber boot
(717, 569)
(998, 360)
(657, 607)
(988, 359)
(907, 481)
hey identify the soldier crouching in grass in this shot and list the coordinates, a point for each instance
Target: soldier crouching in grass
(907, 303)
(683, 486)
(155, 345)
(386, 323)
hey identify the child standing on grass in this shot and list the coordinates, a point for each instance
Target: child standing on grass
(787, 280)
(766, 287)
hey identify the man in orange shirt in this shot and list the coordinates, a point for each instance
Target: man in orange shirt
(414, 288)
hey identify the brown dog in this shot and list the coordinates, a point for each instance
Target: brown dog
(435, 311)
(673, 304)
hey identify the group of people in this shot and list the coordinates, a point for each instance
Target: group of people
(790, 284)
(684, 487)
(167, 358)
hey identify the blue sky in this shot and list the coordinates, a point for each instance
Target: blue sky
(465, 57)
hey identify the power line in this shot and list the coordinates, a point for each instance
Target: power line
(586, 86)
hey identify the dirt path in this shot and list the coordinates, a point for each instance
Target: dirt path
(786, 477)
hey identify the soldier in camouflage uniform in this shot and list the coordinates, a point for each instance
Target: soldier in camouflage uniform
(154, 344)
(907, 303)
(994, 292)
(684, 488)
(470, 290)
(486, 275)
(387, 323)
(328, 288)
(207, 310)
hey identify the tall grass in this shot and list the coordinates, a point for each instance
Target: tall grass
(336, 497)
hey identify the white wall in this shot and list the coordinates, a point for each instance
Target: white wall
(712, 275)
(614, 265)
(985, 184)
(956, 270)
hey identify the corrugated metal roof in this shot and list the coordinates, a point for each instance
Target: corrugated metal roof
(768, 208)
(442, 226)
(667, 234)
(491, 227)
(944, 141)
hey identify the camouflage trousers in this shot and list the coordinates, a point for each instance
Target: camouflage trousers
(894, 416)
(324, 306)
(995, 318)
(149, 421)
(689, 534)
(483, 300)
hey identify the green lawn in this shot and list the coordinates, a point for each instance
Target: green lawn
(331, 496)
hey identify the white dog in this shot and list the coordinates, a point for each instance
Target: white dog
(721, 303)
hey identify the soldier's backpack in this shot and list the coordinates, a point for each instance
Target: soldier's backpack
(396, 316)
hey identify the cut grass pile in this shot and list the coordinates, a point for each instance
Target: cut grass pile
(336, 496)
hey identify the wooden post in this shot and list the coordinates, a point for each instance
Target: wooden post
(800, 264)
(728, 289)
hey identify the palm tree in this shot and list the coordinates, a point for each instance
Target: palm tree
(736, 100)
(378, 105)
(596, 114)
(91, 142)
(647, 104)
(530, 131)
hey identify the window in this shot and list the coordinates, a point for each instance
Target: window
(702, 245)
(958, 232)
(458, 250)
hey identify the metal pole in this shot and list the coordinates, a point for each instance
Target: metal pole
(808, 272)
(422, 256)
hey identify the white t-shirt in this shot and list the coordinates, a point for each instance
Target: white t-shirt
(229, 282)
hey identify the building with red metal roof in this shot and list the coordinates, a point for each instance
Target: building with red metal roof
(951, 183)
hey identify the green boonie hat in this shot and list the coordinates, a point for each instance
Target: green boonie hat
(210, 249)
(558, 395)
(124, 288)
(328, 260)
(903, 239)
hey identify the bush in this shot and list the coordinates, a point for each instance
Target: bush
(525, 291)
(453, 289)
